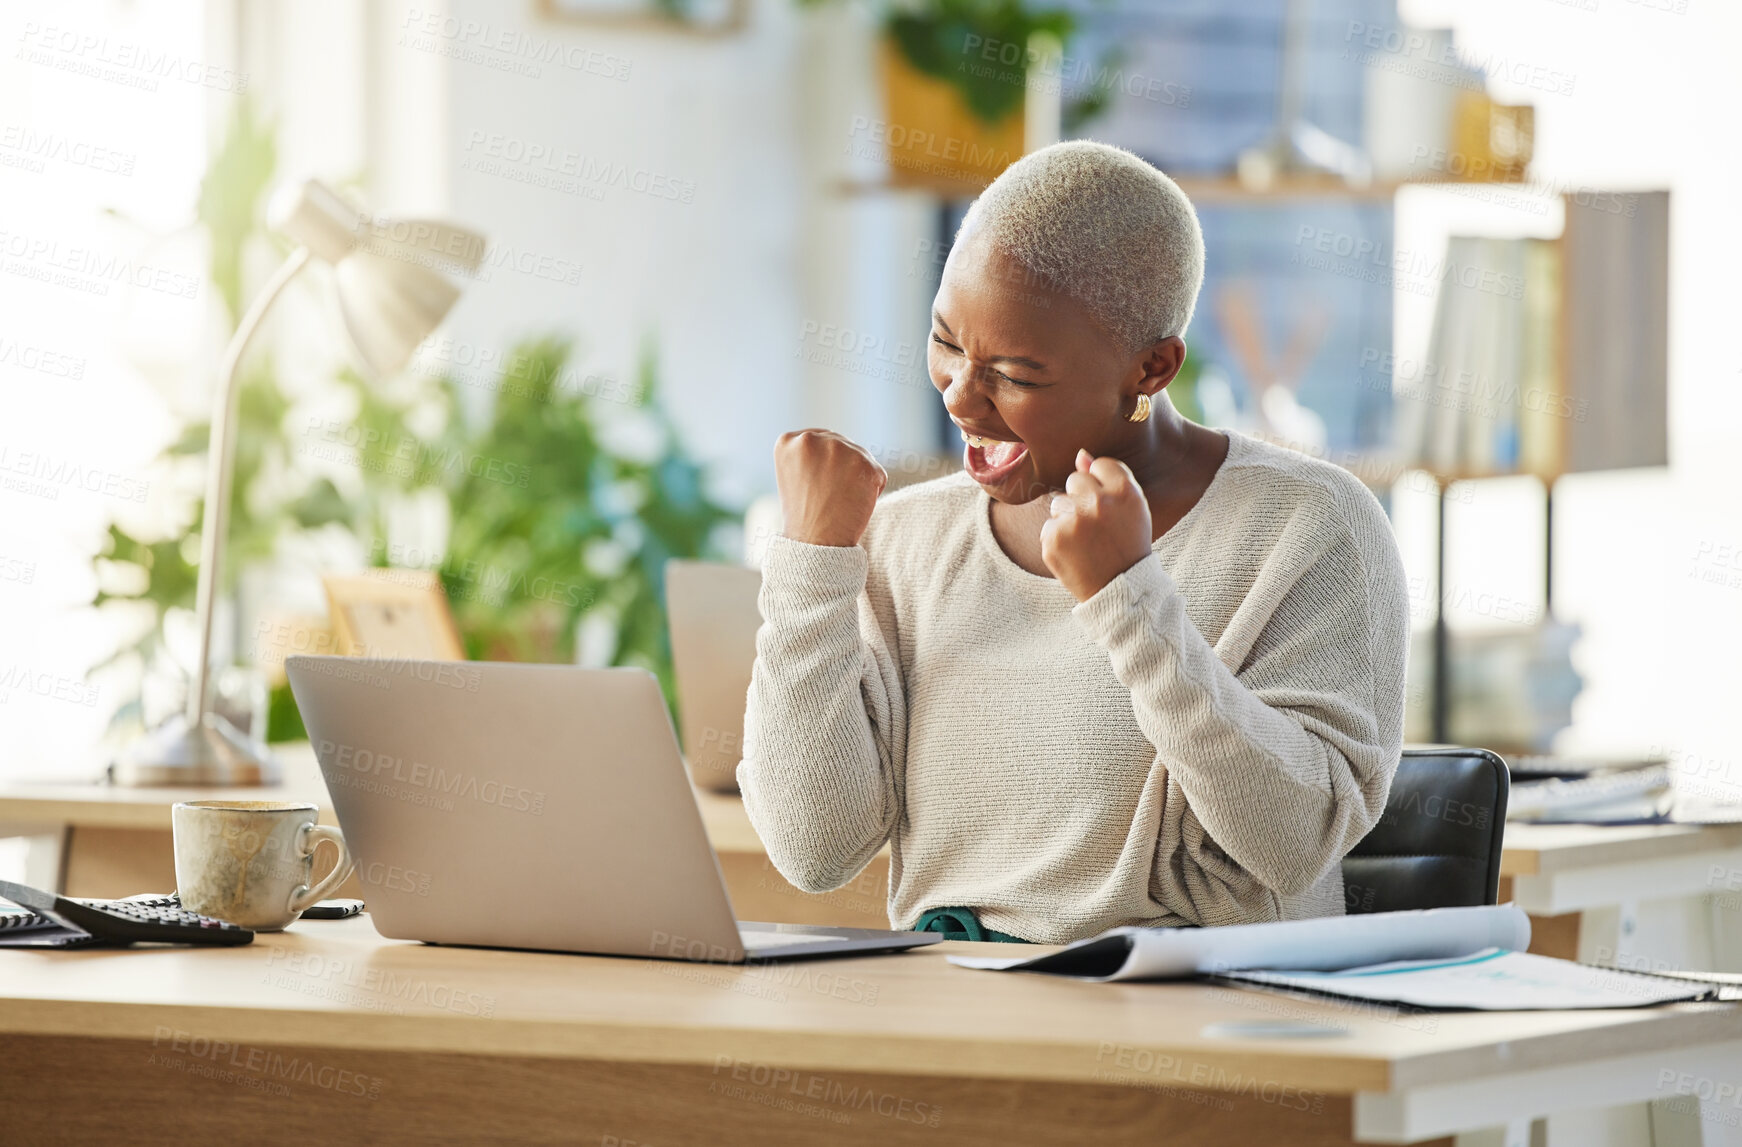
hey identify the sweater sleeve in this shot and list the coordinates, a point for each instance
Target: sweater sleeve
(1283, 761)
(824, 718)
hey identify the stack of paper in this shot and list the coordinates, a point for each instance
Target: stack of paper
(1607, 796)
(1325, 944)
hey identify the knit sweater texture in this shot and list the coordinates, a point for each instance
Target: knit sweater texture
(1199, 743)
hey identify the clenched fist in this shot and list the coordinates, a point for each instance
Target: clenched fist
(1099, 528)
(828, 486)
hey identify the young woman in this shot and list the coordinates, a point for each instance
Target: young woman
(1122, 669)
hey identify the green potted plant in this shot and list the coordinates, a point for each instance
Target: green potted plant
(573, 551)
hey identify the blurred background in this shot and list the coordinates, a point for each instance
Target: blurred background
(1483, 254)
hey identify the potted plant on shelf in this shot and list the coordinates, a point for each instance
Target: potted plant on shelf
(962, 99)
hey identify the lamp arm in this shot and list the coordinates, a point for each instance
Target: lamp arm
(220, 462)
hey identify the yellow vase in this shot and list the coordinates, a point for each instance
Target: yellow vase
(932, 138)
(1493, 140)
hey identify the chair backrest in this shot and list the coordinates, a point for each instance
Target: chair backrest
(1437, 845)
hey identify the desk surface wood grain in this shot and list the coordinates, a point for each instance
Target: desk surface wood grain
(340, 984)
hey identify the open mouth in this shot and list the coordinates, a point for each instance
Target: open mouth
(991, 460)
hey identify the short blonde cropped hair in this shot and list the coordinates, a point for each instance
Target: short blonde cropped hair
(1101, 225)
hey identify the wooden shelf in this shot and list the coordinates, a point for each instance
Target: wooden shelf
(930, 187)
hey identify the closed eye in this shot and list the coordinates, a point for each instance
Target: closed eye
(954, 349)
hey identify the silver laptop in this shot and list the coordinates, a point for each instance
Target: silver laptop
(531, 806)
(714, 617)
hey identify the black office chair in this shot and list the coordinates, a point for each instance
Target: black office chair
(1437, 844)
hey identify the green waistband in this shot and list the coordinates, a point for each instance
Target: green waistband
(961, 924)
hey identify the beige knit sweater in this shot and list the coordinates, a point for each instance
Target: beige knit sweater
(1199, 743)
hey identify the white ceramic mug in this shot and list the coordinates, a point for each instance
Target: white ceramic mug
(251, 862)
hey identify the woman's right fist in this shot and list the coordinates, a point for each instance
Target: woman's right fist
(828, 486)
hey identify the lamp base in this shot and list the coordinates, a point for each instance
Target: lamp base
(214, 753)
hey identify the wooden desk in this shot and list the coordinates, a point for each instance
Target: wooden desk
(328, 1033)
(1667, 896)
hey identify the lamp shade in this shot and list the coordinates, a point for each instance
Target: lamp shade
(389, 307)
(388, 274)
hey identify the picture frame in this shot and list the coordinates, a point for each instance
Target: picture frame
(695, 17)
(392, 613)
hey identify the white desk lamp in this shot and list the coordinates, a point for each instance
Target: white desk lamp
(391, 300)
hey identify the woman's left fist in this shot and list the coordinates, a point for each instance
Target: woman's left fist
(1099, 528)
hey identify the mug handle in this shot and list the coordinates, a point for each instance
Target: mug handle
(307, 840)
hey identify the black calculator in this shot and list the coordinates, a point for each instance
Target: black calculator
(65, 922)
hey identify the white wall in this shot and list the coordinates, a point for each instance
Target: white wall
(757, 248)
(741, 261)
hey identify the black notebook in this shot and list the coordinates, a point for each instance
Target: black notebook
(22, 928)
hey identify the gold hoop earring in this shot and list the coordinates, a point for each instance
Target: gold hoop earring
(1141, 414)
